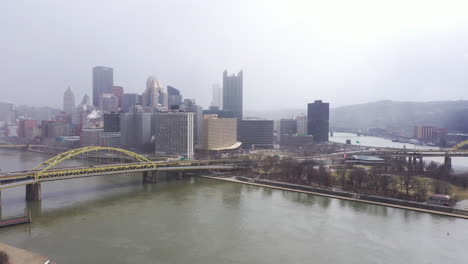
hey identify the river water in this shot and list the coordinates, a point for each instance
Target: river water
(459, 164)
(116, 219)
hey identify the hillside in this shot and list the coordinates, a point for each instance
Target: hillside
(384, 114)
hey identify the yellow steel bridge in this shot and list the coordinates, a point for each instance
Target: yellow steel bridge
(47, 170)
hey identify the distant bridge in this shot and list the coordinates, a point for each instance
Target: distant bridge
(152, 171)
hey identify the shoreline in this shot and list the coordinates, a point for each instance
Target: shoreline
(340, 197)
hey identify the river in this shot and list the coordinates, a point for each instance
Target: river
(459, 164)
(116, 219)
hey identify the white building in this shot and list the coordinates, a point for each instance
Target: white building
(174, 133)
(301, 124)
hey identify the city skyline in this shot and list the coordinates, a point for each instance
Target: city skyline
(316, 51)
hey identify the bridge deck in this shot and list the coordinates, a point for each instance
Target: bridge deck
(14, 179)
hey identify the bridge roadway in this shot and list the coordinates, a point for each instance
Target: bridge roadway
(13, 179)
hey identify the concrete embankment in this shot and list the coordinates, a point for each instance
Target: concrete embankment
(21, 256)
(370, 199)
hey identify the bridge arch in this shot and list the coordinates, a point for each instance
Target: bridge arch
(459, 145)
(52, 162)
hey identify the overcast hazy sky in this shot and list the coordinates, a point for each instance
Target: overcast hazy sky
(292, 52)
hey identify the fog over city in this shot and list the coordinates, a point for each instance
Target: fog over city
(343, 52)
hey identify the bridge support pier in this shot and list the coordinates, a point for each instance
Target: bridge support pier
(33, 192)
(448, 162)
(421, 164)
(150, 177)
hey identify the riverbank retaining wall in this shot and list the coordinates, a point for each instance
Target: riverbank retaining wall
(358, 196)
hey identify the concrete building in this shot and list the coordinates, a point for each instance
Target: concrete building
(11, 131)
(68, 101)
(109, 103)
(129, 100)
(28, 131)
(218, 133)
(112, 122)
(175, 98)
(53, 129)
(233, 93)
(301, 124)
(287, 127)
(430, 133)
(217, 96)
(256, 134)
(174, 133)
(90, 136)
(318, 115)
(103, 80)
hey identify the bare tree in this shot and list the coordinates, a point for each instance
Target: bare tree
(420, 191)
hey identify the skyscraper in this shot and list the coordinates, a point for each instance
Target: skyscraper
(318, 115)
(217, 96)
(136, 129)
(86, 100)
(174, 96)
(155, 94)
(232, 93)
(103, 80)
(129, 100)
(68, 101)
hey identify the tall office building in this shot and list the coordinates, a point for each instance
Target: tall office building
(232, 93)
(155, 94)
(136, 129)
(217, 96)
(174, 132)
(86, 100)
(68, 101)
(129, 100)
(287, 127)
(318, 115)
(103, 80)
(256, 134)
(174, 96)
